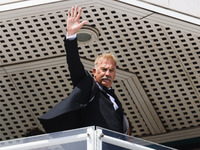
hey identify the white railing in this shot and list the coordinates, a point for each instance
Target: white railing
(92, 139)
(47, 143)
(123, 144)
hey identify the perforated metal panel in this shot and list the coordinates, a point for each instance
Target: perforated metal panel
(158, 66)
(15, 115)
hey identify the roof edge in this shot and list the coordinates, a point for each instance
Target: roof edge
(164, 11)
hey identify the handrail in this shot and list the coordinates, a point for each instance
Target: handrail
(45, 143)
(122, 143)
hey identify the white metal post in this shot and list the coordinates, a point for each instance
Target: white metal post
(98, 139)
(91, 139)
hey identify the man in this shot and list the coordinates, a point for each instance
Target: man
(92, 102)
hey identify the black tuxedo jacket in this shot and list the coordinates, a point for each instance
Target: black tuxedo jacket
(69, 113)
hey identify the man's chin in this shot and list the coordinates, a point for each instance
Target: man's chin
(106, 84)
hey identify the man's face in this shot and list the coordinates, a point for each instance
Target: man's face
(105, 72)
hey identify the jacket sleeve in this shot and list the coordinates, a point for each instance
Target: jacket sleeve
(75, 66)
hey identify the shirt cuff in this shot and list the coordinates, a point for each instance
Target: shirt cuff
(72, 37)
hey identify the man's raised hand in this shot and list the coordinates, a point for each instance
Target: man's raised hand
(73, 23)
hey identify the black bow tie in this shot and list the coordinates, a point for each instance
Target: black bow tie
(109, 91)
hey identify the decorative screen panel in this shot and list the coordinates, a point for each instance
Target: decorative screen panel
(14, 112)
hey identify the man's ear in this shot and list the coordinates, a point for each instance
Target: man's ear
(94, 72)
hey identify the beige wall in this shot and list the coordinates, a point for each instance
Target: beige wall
(190, 7)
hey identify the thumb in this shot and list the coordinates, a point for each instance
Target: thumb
(82, 23)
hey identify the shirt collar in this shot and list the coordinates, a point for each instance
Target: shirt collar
(103, 87)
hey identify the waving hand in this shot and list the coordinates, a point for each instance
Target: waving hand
(73, 23)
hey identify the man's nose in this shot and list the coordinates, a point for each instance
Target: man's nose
(108, 72)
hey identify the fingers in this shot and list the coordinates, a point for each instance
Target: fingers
(79, 13)
(74, 15)
(76, 10)
(68, 13)
(73, 12)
